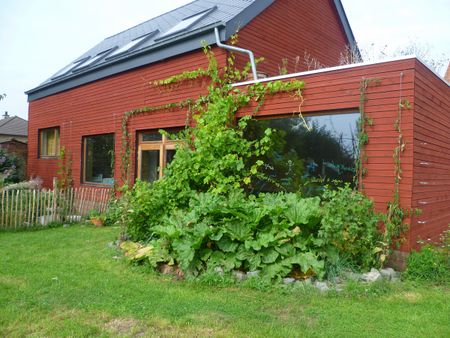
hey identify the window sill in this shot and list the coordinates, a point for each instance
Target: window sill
(48, 158)
(96, 185)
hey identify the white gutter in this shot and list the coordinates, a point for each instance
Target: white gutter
(332, 69)
(239, 50)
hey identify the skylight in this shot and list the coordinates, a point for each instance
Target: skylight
(132, 44)
(94, 59)
(68, 69)
(186, 23)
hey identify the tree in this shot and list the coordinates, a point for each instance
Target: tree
(355, 54)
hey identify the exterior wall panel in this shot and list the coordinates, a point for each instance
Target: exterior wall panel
(339, 90)
(431, 185)
(291, 28)
(98, 107)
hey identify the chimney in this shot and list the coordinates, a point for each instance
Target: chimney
(447, 74)
(5, 115)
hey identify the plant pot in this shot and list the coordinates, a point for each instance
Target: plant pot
(97, 222)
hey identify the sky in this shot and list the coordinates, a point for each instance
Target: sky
(39, 37)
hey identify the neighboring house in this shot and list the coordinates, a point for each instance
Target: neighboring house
(81, 106)
(14, 136)
(13, 127)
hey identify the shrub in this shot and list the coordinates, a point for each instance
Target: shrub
(349, 226)
(279, 234)
(11, 168)
(201, 214)
(431, 263)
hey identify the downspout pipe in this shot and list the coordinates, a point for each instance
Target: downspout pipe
(238, 50)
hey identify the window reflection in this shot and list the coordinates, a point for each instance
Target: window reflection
(98, 159)
(326, 150)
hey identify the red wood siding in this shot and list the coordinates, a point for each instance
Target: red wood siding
(431, 179)
(289, 28)
(98, 107)
(339, 90)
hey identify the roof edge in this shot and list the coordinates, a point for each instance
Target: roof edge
(188, 43)
(346, 25)
(327, 70)
(246, 16)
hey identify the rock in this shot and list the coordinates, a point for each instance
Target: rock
(115, 257)
(179, 274)
(321, 286)
(66, 225)
(371, 276)
(350, 275)
(288, 280)
(239, 275)
(218, 270)
(111, 245)
(253, 273)
(336, 280)
(167, 269)
(388, 273)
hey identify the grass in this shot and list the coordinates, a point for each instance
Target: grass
(64, 282)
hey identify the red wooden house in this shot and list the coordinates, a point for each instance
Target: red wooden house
(81, 106)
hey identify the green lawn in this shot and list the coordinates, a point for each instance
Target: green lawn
(65, 282)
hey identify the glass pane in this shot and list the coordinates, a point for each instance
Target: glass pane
(170, 153)
(150, 165)
(186, 23)
(49, 142)
(151, 136)
(127, 46)
(99, 158)
(327, 151)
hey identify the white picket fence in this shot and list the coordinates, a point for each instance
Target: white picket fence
(37, 208)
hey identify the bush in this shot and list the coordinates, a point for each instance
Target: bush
(349, 226)
(11, 168)
(431, 263)
(279, 234)
(201, 215)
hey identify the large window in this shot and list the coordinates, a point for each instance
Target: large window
(49, 142)
(155, 151)
(98, 159)
(326, 148)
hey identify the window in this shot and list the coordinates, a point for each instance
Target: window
(186, 23)
(94, 59)
(132, 44)
(328, 150)
(98, 159)
(49, 142)
(69, 68)
(155, 151)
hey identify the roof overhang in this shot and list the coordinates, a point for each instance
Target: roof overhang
(346, 25)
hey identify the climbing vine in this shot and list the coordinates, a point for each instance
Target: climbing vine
(394, 218)
(363, 136)
(220, 88)
(64, 172)
(126, 141)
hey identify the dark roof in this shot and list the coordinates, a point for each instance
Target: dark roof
(14, 126)
(155, 45)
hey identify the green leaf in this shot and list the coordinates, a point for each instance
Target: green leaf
(227, 245)
(269, 256)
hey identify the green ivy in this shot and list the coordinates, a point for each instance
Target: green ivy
(200, 216)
